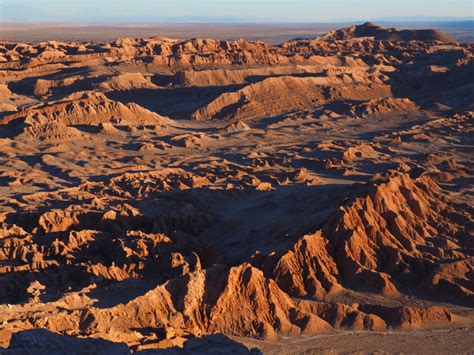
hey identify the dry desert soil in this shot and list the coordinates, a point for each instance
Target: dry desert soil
(207, 196)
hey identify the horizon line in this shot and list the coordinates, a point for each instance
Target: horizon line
(277, 22)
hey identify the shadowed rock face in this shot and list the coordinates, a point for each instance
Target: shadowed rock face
(41, 340)
(165, 194)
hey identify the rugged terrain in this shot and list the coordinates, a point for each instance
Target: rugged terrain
(159, 193)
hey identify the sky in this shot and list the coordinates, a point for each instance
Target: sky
(252, 11)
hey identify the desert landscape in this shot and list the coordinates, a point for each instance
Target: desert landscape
(163, 195)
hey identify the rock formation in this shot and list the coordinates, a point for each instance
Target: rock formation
(191, 194)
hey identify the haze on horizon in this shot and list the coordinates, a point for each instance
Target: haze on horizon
(231, 11)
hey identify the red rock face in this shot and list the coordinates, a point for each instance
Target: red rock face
(156, 191)
(370, 244)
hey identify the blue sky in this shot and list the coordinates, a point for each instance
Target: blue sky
(229, 10)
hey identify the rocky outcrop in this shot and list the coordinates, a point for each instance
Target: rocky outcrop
(390, 34)
(126, 81)
(239, 301)
(384, 106)
(372, 243)
(280, 95)
(86, 108)
(300, 278)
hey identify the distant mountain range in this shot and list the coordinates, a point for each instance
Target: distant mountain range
(152, 18)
